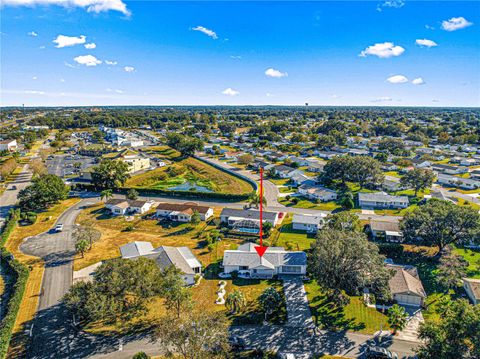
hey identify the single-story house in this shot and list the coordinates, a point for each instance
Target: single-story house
(276, 260)
(182, 212)
(164, 256)
(450, 170)
(385, 230)
(283, 171)
(247, 220)
(299, 161)
(316, 167)
(406, 286)
(472, 287)
(317, 193)
(421, 163)
(298, 178)
(8, 145)
(465, 183)
(120, 206)
(468, 162)
(382, 200)
(308, 222)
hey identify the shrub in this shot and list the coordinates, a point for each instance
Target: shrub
(391, 250)
(129, 228)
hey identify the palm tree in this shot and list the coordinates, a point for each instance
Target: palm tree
(236, 301)
(81, 246)
(397, 318)
(254, 199)
(106, 194)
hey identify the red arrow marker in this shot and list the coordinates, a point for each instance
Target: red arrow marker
(261, 249)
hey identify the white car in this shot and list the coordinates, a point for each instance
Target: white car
(59, 228)
(224, 275)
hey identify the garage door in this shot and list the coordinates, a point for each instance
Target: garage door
(408, 299)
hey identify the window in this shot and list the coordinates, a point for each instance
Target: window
(291, 269)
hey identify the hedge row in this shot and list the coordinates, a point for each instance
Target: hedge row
(21, 274)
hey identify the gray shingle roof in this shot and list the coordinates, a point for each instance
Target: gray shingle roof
(406, 280)
(248, 214)
(381, 197)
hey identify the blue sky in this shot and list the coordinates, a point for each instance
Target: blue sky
(208, 53)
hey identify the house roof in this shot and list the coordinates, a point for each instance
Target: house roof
(474, 285)
(249, 214)
(283, 168)
(381, 197)
(183, 207)
(125, 203)
(135, 249)
(272, 258)
(384, 226)
(406, 281)
(308, 218)
(316, 190)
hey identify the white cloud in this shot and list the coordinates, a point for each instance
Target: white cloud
(95, 6)
(235, 57)
(418, 81)
(383, 50)
(90, 46)
(206, 31)
(34, 92)
(428, 27)
(382, 99)
(70, 65)
(87, 60)
(62, 80)
(42, 47)
(268, 94)
(397, 79)
(129, 68)
(230, 92)
(33, 33)
(425, 43)
(116, 90)
(275, 73)
(391, 3)
(111, 63)
(455, 23)
(34, 77)
(64, 41)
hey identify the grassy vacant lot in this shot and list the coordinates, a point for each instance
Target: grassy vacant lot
(355, 316)
(293, 239)
(305, 203)
(190, 170)
(45, 221)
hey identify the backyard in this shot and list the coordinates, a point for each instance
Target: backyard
(187, 174)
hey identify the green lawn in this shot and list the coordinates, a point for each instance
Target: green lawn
(290, 238)
(355, 316)
(305, 203)
(279, 181)
(473, 258)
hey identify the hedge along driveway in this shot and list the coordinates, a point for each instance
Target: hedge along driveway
(45, 221)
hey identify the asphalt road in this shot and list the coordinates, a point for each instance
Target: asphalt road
(9, 197)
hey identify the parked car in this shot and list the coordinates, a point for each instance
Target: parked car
(375, 352)
(59, 228)
(224, 275)
(13, 188)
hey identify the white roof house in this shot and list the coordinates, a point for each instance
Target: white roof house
(136, 249)
(307, 222)
(382, 199)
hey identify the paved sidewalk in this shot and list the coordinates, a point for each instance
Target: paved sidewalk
(298, 311)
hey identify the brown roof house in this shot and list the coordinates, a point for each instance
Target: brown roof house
(406, 286)
(472, 287)
(182, 212)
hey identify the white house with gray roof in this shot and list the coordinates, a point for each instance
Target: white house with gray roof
(308, 222)
(164, 256)
(275, 261)
(382, 200)
(247, 220)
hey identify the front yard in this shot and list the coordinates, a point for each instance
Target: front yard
(355, 316)
(308, 204)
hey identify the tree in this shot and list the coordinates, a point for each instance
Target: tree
(195, 335)
(343, 221)
(245, 159)
(141, 355)
(346, 201)
(87, 233)
(7, 168)
(397, 318)
(418, 179)
(347, 261)
(120, 290)
(44, 191)
(82, 246)
(382, 157)
(451, 270)
(110, 174)
(132, 194)
(236, 301)
(177, 296)
(195, 219)
(440, 223)
(395, 146)
(106, 194)
(37, 167)
(270, 301)
(184, 144)
(456, 335)
(254, 199)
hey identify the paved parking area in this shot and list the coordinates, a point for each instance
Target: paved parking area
(62, 165)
